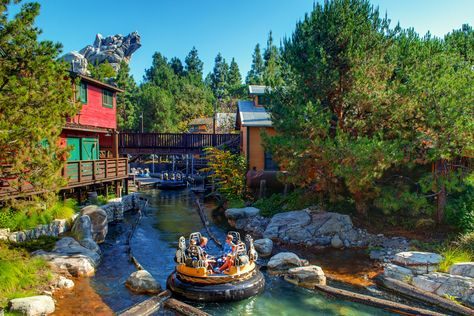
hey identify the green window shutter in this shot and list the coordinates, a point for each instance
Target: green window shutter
(107, 99)
(82, 95)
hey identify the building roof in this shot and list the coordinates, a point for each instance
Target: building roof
(250, 115)
(96, 82)
(258, 90)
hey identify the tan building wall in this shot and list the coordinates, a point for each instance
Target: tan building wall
(254, 152)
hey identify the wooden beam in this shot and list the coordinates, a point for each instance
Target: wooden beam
(147, 307)
(183, 308)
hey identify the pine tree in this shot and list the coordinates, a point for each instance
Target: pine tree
(255, 74)
(161, 74)
(234, 77)
(35, 99)
(102, 72)
(219, 78)
(194, 66)
(271, 73)
(177, 66)
(127, 112)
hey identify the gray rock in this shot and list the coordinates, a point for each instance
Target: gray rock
(142, 281)
(112, 49)
(264, 247)
(308, 276)
(397, 272)
(443, 284)
(254, 225)
(82, 228)
(244, 212)
(328, 223)
(99, 222)
(32, 306)
(322, 241)
(291, 225)
(64, 283)
(417, 261)
(463, 269)
(281, 262)
(336, 242)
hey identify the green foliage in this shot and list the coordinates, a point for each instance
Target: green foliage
(228, 172)
(272, 72)
(460, 210)
(35, 99)
(255, 74)
(172, 95)
(45, 243)
(102, 71)
(466, 242)
(277, 203)
(452, 255)
(127, 110)
(28, 216)
(21, 275)
(364, 103)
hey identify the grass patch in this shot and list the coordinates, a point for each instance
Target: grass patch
(235, 203)
(278, 203)
(452, 255)
(104, 199)
(21, 275)
(30, 218)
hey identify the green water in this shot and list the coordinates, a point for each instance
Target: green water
(172, 214)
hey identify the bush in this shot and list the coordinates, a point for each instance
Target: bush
(277, 203)
(29, 218)
(460, 210)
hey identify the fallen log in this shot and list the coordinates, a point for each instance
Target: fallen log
(374, 301)
(205, 222)
(412, 292)
(147, 307)
(184, 308)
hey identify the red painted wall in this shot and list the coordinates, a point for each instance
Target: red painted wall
(93, 113)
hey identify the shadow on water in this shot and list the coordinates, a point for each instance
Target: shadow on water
(172, 214)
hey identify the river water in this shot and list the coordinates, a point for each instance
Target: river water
(172, 214)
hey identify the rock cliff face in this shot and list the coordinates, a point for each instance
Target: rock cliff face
(112, 49)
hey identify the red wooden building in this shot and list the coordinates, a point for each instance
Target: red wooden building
(93, 138)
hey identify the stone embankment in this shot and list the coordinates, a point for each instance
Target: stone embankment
(419, 269)
(312, 227)
(76, 256)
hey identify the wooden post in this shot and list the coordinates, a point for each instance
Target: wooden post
(285, 189)
(126, 186)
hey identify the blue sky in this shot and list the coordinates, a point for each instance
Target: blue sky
(233, 28)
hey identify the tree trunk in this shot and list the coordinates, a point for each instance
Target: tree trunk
(440, 174)
(360, 203)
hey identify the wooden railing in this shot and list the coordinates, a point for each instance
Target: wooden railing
(83, 172)
(77, 173)
(176, 141)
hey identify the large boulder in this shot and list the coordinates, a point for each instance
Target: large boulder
(82, 231)
(32, 306)
(244, 212)
(99, 224)
(398, 273)
(443, 284)
(281, 262)
(308, 276)
(70, 257)
(142, 281)
(289, 227)
(417, 261)
(463, 269)
(264, 247)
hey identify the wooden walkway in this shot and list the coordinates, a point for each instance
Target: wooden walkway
(173, 143)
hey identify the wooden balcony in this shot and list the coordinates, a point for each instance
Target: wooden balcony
(78, 173)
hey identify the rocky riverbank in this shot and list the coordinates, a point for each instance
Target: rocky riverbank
(313, 227)
(73, 257)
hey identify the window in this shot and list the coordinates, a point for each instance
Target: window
(269, 163)
(107, 98)
(82, 95)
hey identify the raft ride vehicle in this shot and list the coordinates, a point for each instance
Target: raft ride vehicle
(171, 181)
(194, 279)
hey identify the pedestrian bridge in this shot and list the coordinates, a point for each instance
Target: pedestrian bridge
(174, 143)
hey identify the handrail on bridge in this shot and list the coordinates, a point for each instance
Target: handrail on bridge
(174, 140)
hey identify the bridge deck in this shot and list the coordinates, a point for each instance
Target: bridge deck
(173, 143)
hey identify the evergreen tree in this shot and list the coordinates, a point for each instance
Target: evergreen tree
(219, 78)
(462, 42)
(194, 66)
(255, 74)
(161, 74)
(177, 66)
(271, 73)
(102, 71)
(127, 112)
(234, 76)
(35, 99)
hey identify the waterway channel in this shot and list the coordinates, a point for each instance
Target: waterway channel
(172, 214)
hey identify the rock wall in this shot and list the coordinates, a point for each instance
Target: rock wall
(115, 210)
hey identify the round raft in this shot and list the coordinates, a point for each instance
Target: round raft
(193, 281)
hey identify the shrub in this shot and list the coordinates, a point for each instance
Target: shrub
(276, 203)
(460, 210)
